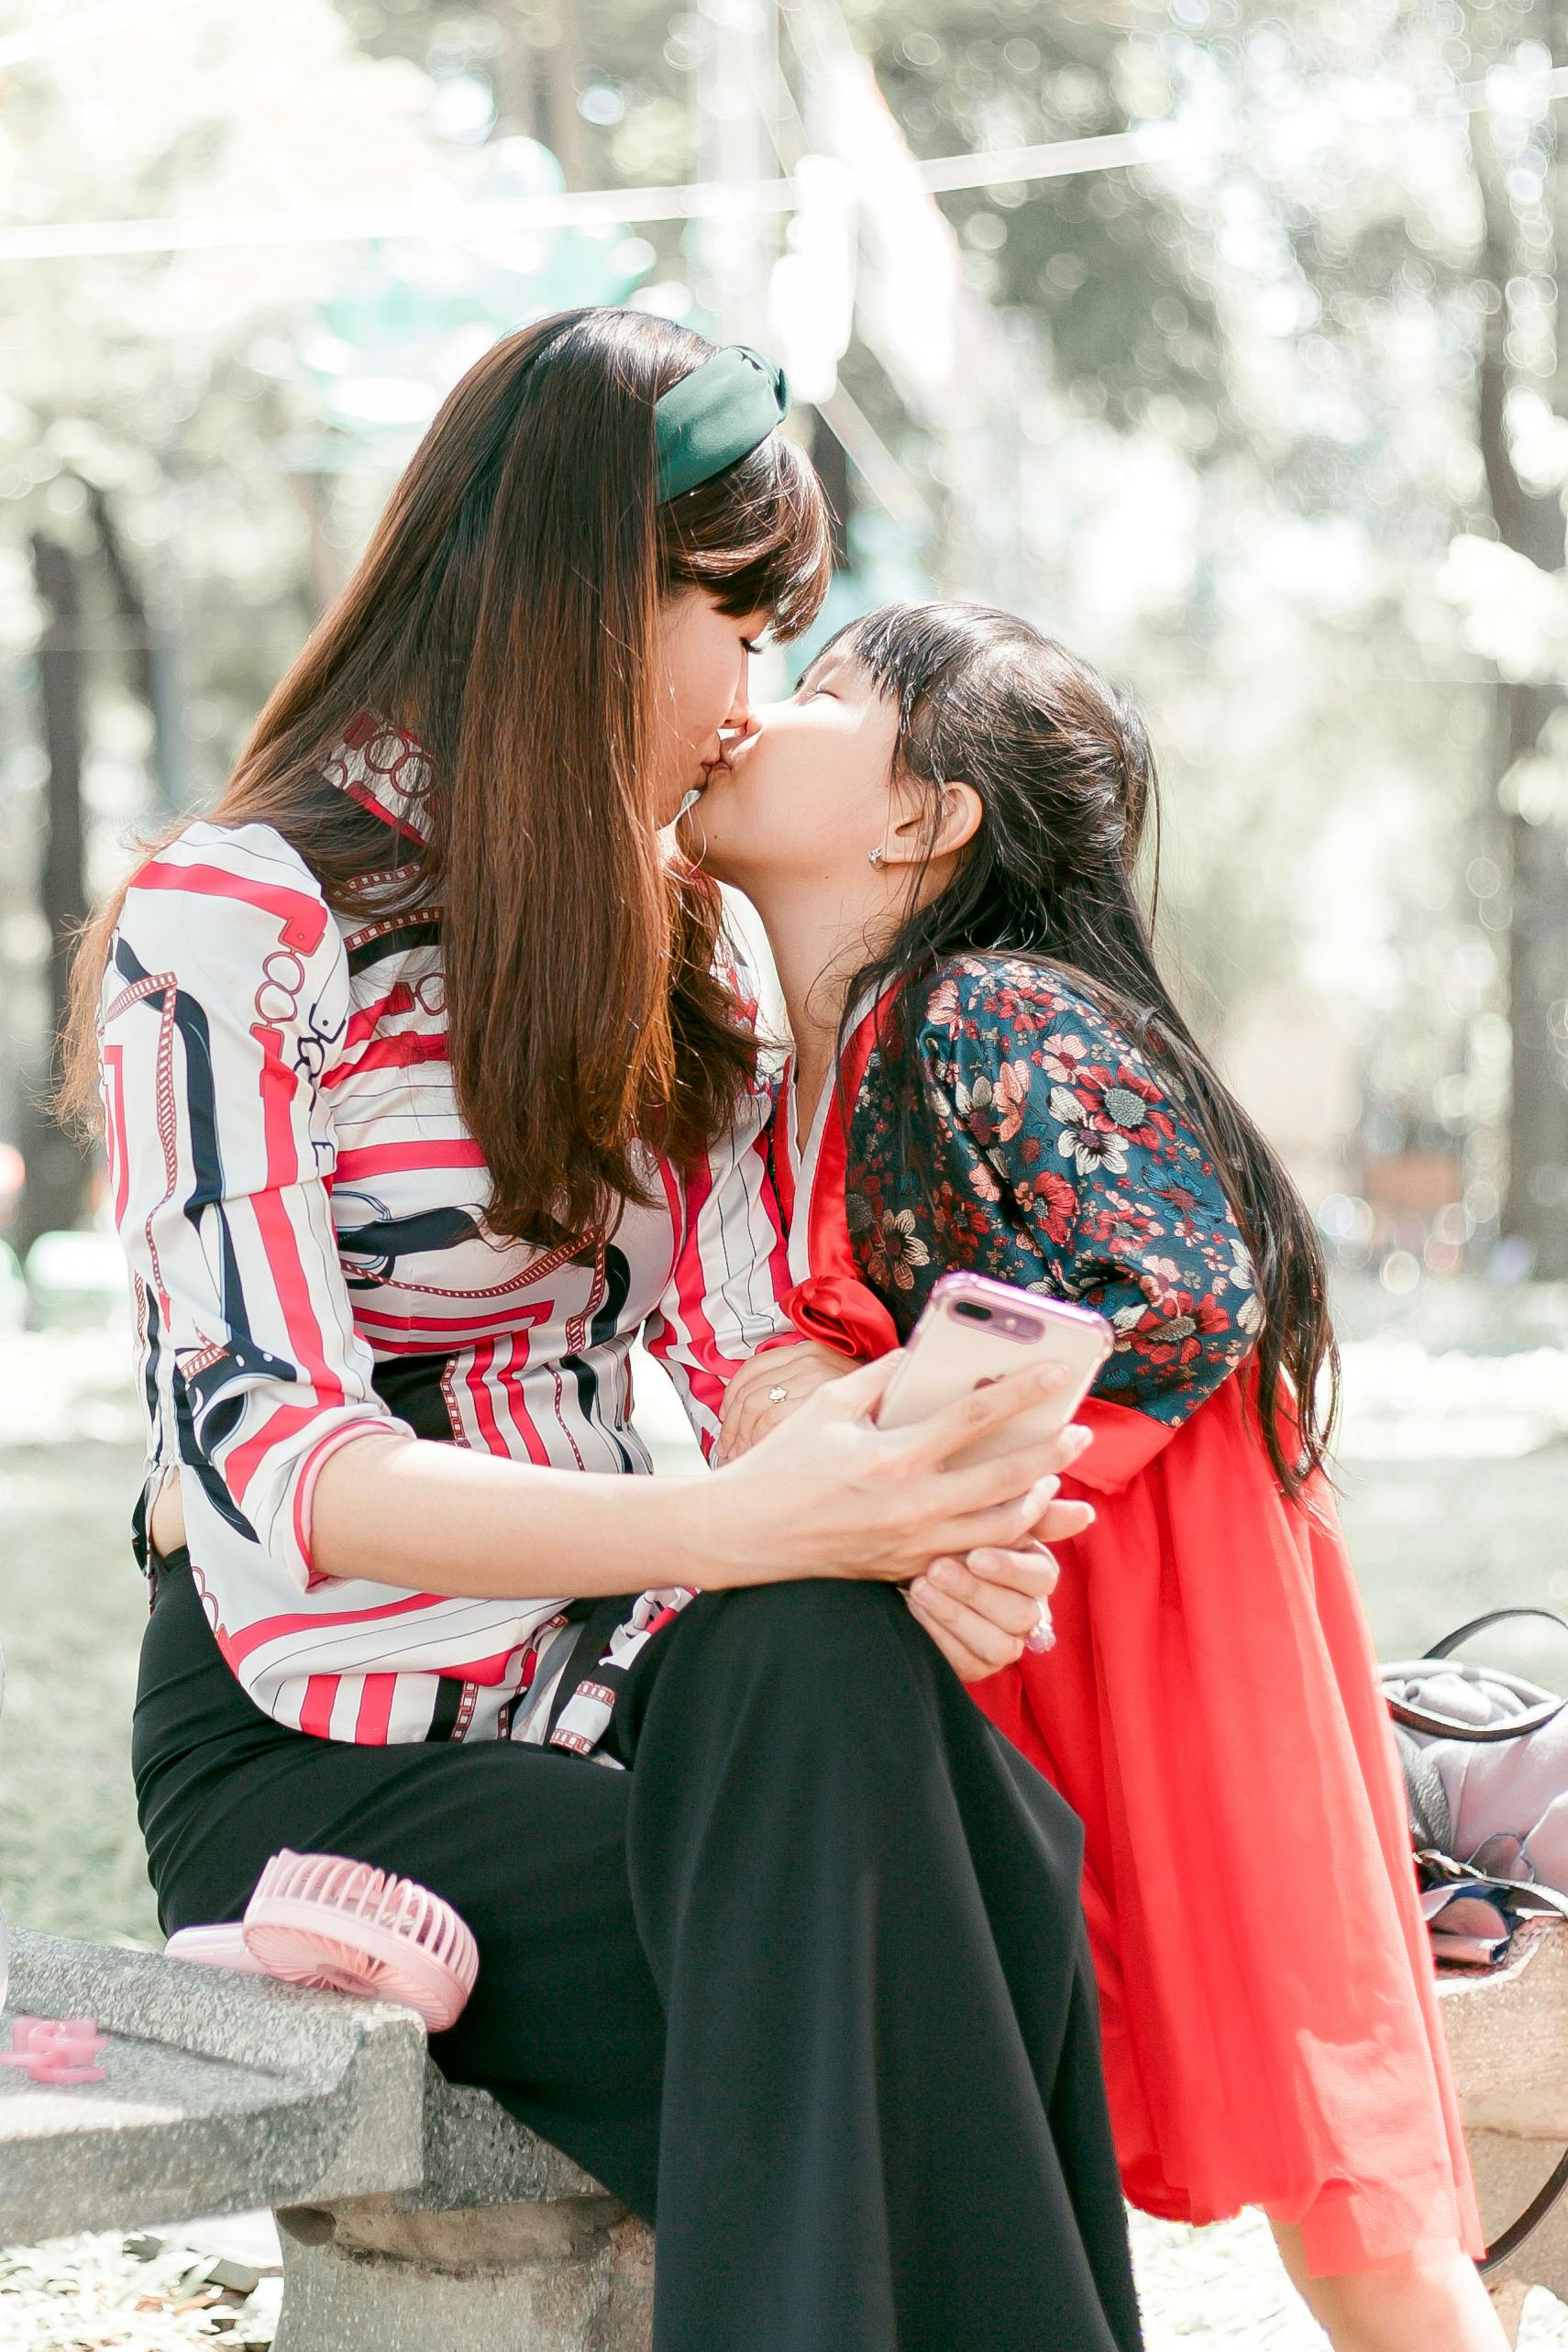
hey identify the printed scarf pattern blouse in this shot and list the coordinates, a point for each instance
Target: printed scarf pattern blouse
(304, 1213)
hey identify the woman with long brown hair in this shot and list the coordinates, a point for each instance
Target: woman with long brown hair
(426, 1091)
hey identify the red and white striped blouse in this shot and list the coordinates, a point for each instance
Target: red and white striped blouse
(303, 1209)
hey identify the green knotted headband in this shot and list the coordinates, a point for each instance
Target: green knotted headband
(717, 414)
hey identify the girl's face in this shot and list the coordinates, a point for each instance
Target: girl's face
(808, 792)
(702, 659)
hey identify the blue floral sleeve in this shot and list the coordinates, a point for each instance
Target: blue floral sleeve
(1067, 1165)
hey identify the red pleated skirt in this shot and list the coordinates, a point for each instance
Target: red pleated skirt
(1210, 1710)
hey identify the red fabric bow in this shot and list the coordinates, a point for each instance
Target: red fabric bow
(839, 1313)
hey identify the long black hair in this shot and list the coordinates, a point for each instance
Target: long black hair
(1062, 767)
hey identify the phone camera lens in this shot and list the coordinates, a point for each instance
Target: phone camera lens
(972, 1311)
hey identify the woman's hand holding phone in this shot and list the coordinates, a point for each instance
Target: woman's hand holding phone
(827, 1493)
(984, 1604)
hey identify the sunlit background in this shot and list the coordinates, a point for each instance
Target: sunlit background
(1220, 337)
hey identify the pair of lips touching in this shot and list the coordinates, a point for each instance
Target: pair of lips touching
(728, 738)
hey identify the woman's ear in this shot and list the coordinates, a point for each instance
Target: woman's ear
(959, 816)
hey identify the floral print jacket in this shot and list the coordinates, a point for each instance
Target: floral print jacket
(1061, 1163)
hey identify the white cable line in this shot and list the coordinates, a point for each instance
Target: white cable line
(438, 223)
(1479, 98)
(432, 223)
(111, 17)
(1112, 151)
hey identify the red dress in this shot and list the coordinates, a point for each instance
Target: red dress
(1210, 1709)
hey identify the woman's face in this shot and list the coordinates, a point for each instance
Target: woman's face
(808, 792)
(701, 656)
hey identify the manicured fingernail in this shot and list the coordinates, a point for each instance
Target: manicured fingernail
(1075, 1439)
(1039, 1642)
(945, 1574)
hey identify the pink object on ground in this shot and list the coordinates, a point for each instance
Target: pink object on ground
(56, 2049)
(341, 1927)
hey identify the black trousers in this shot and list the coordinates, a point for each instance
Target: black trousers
(809, 1981)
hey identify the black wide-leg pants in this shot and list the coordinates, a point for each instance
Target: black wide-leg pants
(807, 1982)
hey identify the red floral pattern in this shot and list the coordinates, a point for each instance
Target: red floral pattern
(1060, 1162)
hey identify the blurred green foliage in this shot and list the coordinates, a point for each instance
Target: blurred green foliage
(1225, 440)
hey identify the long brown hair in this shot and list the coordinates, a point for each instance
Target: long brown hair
(1062, 767)
(504, 614)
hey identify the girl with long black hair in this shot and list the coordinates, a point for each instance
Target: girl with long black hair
(941, 830)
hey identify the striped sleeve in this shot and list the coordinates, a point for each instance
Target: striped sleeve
(721, 1305)
(226, 1004)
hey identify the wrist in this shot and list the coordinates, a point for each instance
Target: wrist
(684, 1534)
(698, 1534)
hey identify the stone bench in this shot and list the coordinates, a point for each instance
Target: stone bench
(1507, 2033)
(413, 2215)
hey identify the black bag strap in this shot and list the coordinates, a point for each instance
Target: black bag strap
(1524, 2224)
(1448, 1727)
(1450, 1642)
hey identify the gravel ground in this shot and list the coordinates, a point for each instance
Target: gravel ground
(113, 2293)
(1199, 2289)
(1454, 1476)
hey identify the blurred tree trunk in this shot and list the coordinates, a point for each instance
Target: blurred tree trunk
(562, 128)
(1535, 1205)
(324, 558)
(149, 657)
(56, 1193)
(514, 77)
(833, 471)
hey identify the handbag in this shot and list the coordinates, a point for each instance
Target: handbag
(1485, 1763)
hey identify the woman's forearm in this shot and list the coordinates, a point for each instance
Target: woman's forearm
(825, 1493)
(445, 1518)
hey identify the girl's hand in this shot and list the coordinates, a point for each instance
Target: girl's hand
(828, 1493)
(750, 1409)
(983, 1613)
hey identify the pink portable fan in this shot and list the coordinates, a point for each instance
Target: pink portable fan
(341, 1927)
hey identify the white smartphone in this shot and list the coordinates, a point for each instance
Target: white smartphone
(973, 1330)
